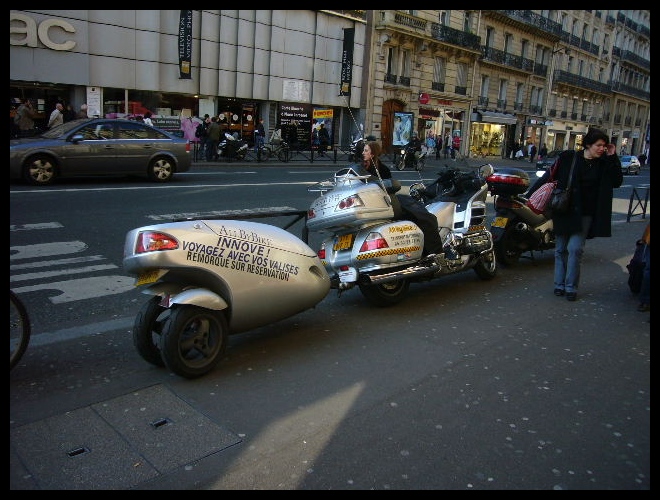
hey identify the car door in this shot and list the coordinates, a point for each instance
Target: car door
(94, 154)
(137, 144)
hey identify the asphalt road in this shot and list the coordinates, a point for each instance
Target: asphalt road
(465, 385)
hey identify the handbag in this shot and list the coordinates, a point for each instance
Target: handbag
(538, 202)
(560, 199)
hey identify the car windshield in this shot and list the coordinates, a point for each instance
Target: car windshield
(55, 132)
(626, 158)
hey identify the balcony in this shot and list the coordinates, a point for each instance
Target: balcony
(405, 81)
(517, 106)
(501, 104)
(563, 114)
(561, 76)
(630, 57)
(489, 54)
(535, 110)
(526, 19)
(453, 36)
(552, 112)
(573, 116)
(460, 90)
(437, 86)
(632, 91)
(482, 101)
(583, 118)
(390, 78)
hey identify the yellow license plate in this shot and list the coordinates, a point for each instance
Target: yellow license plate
(477, 228)
(499, 222)
(147, 277)
(343, 242)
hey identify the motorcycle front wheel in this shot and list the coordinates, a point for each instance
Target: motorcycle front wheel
(194, 339)
(387, 294)
(401, 164)
(486, 267)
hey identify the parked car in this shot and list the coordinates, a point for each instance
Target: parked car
(98, 147)
(630, 164)
(548, 160)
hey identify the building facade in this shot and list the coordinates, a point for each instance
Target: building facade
(493, 80)
(283, 65)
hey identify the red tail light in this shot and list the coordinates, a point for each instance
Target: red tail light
(321, 253)
(350, 202)
(374, 241)
(153, 241)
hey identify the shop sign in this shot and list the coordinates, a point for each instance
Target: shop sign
(27, 33)
(423, 98)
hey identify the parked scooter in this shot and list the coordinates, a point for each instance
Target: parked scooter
(366, 247)
(516, 228)
(230, 147)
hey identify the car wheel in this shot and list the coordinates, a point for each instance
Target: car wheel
(40, 170)
(161, 169)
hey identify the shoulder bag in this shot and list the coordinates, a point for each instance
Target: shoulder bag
(560, 200)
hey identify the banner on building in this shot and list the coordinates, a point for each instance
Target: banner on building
(185, 44)
(347, 62)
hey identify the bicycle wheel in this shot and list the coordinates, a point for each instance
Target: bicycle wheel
(19, 329)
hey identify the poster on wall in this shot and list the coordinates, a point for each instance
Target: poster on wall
(323, 116)
(402, 130)
(296, 122)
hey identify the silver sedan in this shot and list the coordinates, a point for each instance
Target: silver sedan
(98, 147)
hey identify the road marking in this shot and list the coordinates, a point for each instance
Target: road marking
(63, 272)
(58, 262)
(83, 288)
(28, 227)
(46, 249)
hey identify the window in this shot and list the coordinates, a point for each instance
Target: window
(524, 48)
(461, 74)
(439, 70)
(392, 60)
(502, 92)
(485, 83)
(405, 63)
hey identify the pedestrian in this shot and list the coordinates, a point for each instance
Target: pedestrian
(532, 153)
(57, 116)
(147, 119)
(543, 152)
(455, 145)
(642, 159)
(24, 119)
(447, 143)
(259, 136)
(645, 291)
(213, 133)
(68, 114)
(405, 206)
(324, 139)
(438, 146)
(83, 111)
(596, 172)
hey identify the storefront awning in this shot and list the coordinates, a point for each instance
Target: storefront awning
(495, 117)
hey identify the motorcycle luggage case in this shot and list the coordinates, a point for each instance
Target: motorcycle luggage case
(508, 180)
(328, 215)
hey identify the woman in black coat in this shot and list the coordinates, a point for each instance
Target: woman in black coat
(596, 173)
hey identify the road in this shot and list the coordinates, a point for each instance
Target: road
(466, 385)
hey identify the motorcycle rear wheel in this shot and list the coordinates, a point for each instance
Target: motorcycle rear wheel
(386, 294)
(507, 250)
(194, 339)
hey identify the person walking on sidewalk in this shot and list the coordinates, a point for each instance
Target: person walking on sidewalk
(645, 291)
(213, 134)
(596, 172)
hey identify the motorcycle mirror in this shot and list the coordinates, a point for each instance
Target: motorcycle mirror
(486, 170)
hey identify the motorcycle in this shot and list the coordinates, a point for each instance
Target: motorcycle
(411, 158)
(220, 275)
(366, 247)
(355, 149)
(233, 148)
(516, 228)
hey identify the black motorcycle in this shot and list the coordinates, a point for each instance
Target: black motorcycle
(411, 158)
(516, 228)
(232, 148)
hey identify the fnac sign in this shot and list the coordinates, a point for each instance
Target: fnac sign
(24, 31)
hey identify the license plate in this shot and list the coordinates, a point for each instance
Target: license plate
(499, 222)
(148, 277)
(348, 276)
(343, 242)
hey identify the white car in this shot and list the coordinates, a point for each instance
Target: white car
(630, 164)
